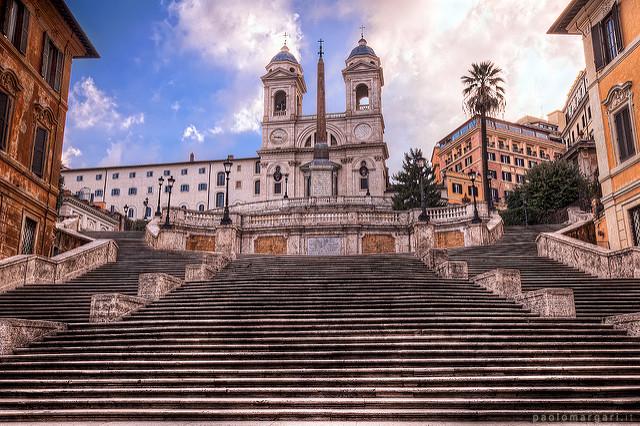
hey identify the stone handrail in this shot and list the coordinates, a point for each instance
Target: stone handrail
(33, 269)
(495, 229)
(589, 258)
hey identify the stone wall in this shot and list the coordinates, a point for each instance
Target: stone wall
(586, 232)
(270, 244)
(200, 242)
(378, 243)
(450, 239)
(16, 333)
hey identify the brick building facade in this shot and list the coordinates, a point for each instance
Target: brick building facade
(40, 39)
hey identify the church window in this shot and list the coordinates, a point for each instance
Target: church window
(364, 176)
(220, 179)
(280, 103)
(277, 177)
(256, 169)
(256, 187)
(334, 141)
(362, 97)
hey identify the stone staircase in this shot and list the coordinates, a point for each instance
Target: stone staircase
(595, 298)
(375, 337)
(70, 302)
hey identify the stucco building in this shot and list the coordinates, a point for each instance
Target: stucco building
(512, 149)
(355, 141)
(40, 39)
(610, 31)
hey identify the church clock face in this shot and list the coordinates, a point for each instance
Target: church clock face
(362, 131)
(278, 136)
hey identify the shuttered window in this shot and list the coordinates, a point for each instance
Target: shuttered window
(5, 114)
(624, 134)
(39, 151)
(15, 24)
(52, 63)
(606, 38)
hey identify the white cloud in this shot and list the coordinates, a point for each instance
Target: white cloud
(69, 154)
(426, 46)
(91, 107)
(191, 133)
(114, 155)
(132, 120)
(175, 106)
(248, 118)
(215, 130)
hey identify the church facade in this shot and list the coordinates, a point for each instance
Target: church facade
(355, 146)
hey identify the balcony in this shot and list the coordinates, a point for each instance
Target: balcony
(363, 107)
(280, 113)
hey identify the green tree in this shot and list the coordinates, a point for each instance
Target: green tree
(407, 184)
(484, 96)
(549, 187)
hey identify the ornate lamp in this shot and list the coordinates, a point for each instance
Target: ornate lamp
(170, 183)
(424, 216)
(226, 219)
(476, 217)
(160, 182)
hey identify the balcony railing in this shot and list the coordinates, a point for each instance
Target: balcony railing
(280, 113)
(364, 107)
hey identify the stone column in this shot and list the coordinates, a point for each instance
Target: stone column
(424, 237)
(227, 240)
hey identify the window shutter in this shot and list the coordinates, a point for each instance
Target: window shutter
(6, 10)
(45, 56)
(39, 148)
(598, 51)
(10, 21)
(615, 12)
(4, 115)
(59, 69)
(24, 36)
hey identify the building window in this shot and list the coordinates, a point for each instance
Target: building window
(150, 173)
(239, 168)
(277, 188)
(492, 156)
(166, 189)
(99, 177)
(493, 174)
(39, 151)
(115, 176)
(280, 103)
(519, 162)
(200, 207)
(458, 167)
(115, 192)
(456, 188)
(238, 184)
(131, 212)
(362, 97)
(507, 194)
(532, 164)
(79, 178)
(495, 194)
(607, 38)
(133, 191)
(256, 187)
(220, 199)
(202, 187)
(16, 24)
(201, 171)
(506, 176)
(184, 187)
(147, 212)
(29, 229)
(184, 172)
(220, 179)
(132, 175)
(167, 172)
(52, 63)
(149, 189)
(5, 118)
(520, 179)
(256, 168)
(468, 161)
(99, 193)
(634, 214)
(624, 134)
(472, 191)
(505, 159)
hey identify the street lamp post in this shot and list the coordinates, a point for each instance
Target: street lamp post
(126, 216)
(424, 216)
(490, 206)
(226, 219)
(476, 217)
(286, 185)
(170, 183)
(160, 182)
(525, 203)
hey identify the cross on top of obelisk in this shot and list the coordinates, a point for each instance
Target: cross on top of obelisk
(362, 27)
(285, 38)
(321, 52)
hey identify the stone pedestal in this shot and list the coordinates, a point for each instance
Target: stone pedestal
(16, 333)
(474, 234)
(111, 307)
(453, 270)
(321, 179)
(434, 257)
(550, 302)
(503, 282)
(424, 237)
(199, 272)
(155, 285)
(227, 240)
(627, 322)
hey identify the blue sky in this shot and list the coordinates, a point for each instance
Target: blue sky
(183, 76)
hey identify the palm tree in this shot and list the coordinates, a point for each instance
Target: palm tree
(484, 96)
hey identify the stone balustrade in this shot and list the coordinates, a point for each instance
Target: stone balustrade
(503, 282)
(550, 302)
(433, 257)
(16, 333)
(586, 257)
(152, 286)
(31, 269)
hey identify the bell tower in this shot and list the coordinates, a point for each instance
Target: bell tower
(284, 87)
(363, 80)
